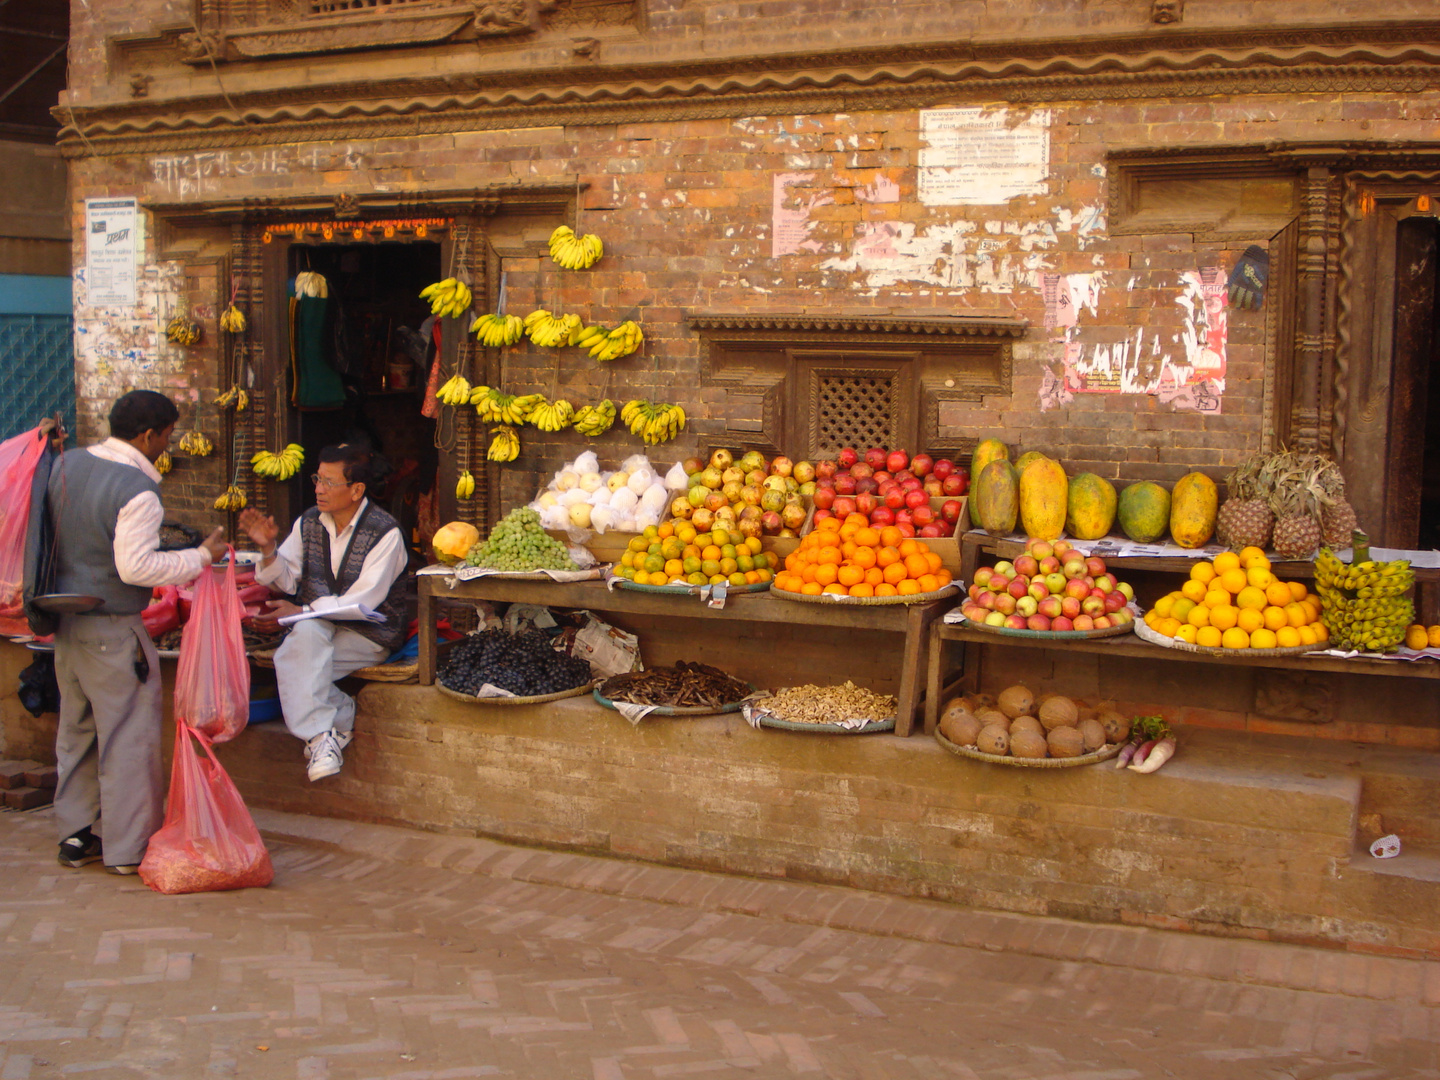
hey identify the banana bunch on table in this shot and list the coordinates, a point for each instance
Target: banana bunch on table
(456, 391)
(183, 330)
(607, 345)
(196, 445)
(308, 283)
(232, 320)
(594, 420)
(496, 331)
(505, 446)
(655, 422)
(551, 332)
(465, 485)
(234, 398)
(281, 466)
(232, 499)
(575, 252)
(1363, 602)
(449, 298)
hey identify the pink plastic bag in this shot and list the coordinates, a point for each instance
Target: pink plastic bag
(18, 457)
(212, 680)
(208, 842)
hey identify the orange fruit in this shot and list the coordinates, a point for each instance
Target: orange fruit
(895, 573)
(1188, 634)
(829, 555)
(928, 582)
(1216, 598)
(886, 555)
(1199, 616)
(915, 565)
(811, 588)
(1287, 637)
(675, 568)
(1250, 620)
(1311, 605)
(1296, 614)
(711, 552)
(890, 536)
(1235, 638)
(1262, 639)
(874, 576)
(1193, 590)
(1203, 572)
(934, 562)
(1227, 560)
(1208, 636)
(1297, 590)
(752, 577)
(944, 577)
(1307, 635)
(807, 575)
(1250, 597)
(862, 590)
(908, 587)
(826, 573)
(1164, 604)
(1322, 632)
(1180, 610)
(1232, 581)
(860, 521)
(1278, 593)
(1253, 556)
(1259, 576)
(838, 590)
(885, 589)
(1275, 617)
(850, 574)
(868, 537)
(1169, 626)
(664, 532)
(848, 549)
(865, 557)
(908, 546)
(848, 531)
(1224, 616)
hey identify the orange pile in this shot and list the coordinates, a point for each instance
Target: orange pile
(852, 558)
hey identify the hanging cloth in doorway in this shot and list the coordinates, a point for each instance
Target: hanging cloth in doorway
(314, 384)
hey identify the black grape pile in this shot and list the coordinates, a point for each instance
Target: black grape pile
(525, 664)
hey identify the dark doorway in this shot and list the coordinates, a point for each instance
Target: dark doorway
(1414, 468)
(366, 364)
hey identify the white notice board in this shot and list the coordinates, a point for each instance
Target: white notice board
(111, 241)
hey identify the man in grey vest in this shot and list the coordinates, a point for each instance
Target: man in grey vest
(104, 503)
(344, 555)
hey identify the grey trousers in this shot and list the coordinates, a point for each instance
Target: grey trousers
(108, 741)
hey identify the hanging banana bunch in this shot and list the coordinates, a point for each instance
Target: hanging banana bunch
(552, 416)
(523, 406)
(183, 330)
(308, 283)
(449, 298)
(550, 331)
(595, 420)
(196, 445)
(497, 331)
(232, 320)
(465, 485)
(234, 398)
(575, 252)
(654, 422)
(281, 466)
(495, 406)
(613, 344)
(232, 499)
(164, 462)
(456, 391)
(505, 446)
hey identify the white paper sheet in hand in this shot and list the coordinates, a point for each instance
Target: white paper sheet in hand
(343, 613)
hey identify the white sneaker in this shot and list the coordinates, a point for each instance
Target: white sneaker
(324, 752)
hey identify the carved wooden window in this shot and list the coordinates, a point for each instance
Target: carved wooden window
(855, 410)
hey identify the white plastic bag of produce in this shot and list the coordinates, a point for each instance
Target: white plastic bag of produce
(636, 462)
(676, 479)
(586, 463)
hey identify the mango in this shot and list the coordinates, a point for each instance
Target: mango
(1090, 510)
(1144, 511)
(1044, 497)
(995, 498)
(987, 451)
(1193, 505)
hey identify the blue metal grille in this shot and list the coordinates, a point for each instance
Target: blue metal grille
(37, 364)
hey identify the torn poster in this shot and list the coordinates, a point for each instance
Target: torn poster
(790, 215)
(979, 157)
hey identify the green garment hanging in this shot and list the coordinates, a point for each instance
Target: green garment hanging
(314, 384)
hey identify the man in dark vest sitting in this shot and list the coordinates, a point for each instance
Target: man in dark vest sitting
(344, 551)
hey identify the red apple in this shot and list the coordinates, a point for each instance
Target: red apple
(843, 507)
(950, 511)
(1063, 548)
(1114, 601)
(1004, 603)
(1026, 564)
(1038, 589)
(1124, 587)
(907, 530)
(860, 470)
(1018, 587)
(1077, 588)
(954, 484)
(931, 531)
(1069, 607)
(1056, 582)
(922, 515)
(1027, 606)
(1103, 622)
(922, 464)
(1061, 623)
(983, 575)
(897, 460)
(943, 467)
(1095, 566)
(987, 600)
(1122, 617)
(1049, 565)
(1051, 607)
(1003, 567)
(1093, 606)
(865, 503)
(1084, 622)
(847, 457)
(1073, 568)
(824, 497)
(825, 470)
(845, 484)
(1041, 549)
(1105, 583)
(1035, 622)
(882, 516)
(916, 498)
(1016, 622)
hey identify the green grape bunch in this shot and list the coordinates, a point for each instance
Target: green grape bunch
(519, 545)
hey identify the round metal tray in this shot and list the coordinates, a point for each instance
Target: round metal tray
(1110, 750)
(1051, 635)
(539, 699)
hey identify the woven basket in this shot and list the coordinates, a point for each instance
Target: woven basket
(868, 601)
(393, 673)
(1110, 750)
(1144, 633)
(687, 590)
(677, 710)
(259, 657)
(538, 699)
(1051, 635)
(874, 727)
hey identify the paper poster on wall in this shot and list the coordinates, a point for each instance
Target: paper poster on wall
(978, 157)
(111, 243)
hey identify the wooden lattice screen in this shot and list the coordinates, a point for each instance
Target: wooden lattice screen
(855, 411)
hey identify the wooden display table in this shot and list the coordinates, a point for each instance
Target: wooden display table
(912, 620)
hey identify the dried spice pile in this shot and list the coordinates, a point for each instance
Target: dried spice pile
(682, 686)
(811, 704)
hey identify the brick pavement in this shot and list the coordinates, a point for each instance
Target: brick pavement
(384, 953)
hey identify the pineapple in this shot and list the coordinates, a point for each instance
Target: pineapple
(1296, 505)
(1337, 516)
(1246, 519)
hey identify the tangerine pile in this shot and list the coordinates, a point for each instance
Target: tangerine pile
(672, 554)
(853, 558)
(1235, 602)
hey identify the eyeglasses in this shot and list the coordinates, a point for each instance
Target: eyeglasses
(316, 479)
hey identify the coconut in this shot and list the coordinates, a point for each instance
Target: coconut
(956, 706)
(962, 729)
(1058, 712)
(1016, 701)
(993, 716)
(1026, 723)
(1065, 742)
(1117, 725)
(1028, 744)
(993, 739)
(1092, 734)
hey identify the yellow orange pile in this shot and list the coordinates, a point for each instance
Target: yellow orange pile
(852, 558)
(672, 554)
(1235, 602)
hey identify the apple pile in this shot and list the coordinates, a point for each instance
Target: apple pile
(892, 488)
(744, 494)
(1052, 587)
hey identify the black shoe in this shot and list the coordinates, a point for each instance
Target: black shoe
(81, 849)
(124, 868)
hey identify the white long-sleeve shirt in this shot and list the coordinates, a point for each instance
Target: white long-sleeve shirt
(138, 557)
(385, 562)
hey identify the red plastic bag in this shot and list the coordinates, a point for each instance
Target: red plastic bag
(163, 614)
(18, 457)
(208, 842)
(212, 679)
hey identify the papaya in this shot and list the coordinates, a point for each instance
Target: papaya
(995, 498)
(987, 451)
(1193, 504)
(1044, 495)
(1144, 511)
(1090, 511)
(1025, 459)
